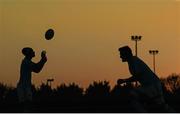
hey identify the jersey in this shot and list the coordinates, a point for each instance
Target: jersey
(26, 72)
(142, 72)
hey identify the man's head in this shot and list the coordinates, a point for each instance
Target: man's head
(28, 52)
(125, 53)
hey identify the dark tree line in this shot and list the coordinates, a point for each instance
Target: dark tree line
(97, 97)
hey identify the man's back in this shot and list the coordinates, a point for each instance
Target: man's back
(142, 72)
(25, 73)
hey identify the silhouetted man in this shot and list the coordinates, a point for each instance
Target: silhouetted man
(27, 67)
(150, 83)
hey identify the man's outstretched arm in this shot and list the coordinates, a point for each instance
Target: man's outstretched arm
(131, 79)
(37, 67)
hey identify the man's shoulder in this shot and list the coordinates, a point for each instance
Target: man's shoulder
(136, 59)
(26, 61)
(140, 64)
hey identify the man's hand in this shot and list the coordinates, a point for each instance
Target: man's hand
(43, 55)
(120, 81)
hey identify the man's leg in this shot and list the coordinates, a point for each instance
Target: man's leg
(163, 105)
(21, 97)
(156, 96)
(135, 102)
(28, 100)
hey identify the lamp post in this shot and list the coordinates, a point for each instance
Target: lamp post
(49, 81)
(136, 39)
(154, 52)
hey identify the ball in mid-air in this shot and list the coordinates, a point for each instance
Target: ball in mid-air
(49, 34)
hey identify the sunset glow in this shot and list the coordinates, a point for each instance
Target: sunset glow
(88, 34)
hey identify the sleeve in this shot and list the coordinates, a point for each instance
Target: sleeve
(37, 67)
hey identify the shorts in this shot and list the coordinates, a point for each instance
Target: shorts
(24, 93)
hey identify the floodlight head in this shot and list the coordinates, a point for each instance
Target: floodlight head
(139, 37)
(136, 38)
(153, 52)
(132, 38)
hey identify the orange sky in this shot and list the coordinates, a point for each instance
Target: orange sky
(87, 36)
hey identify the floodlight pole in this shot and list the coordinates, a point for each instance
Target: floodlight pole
(136, 39)
(154, 52)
